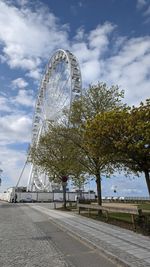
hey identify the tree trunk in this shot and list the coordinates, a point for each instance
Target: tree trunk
(99, 193)
(147, 180)
(64, 195)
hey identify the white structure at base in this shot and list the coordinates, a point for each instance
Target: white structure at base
(42, 196)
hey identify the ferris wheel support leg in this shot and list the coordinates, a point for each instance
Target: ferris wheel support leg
(30, 182)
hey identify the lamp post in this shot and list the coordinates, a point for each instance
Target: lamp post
(64, 180)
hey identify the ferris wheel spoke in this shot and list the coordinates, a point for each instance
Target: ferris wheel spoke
(60, 71)
(61, 92)
(58, 88)
(63, 86)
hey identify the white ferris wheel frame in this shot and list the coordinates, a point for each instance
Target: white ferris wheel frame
(34, 183)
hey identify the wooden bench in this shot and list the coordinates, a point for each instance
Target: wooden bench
(107, 210)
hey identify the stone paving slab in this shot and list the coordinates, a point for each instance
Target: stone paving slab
(130, 248)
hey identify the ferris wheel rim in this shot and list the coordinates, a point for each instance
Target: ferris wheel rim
(75, 85)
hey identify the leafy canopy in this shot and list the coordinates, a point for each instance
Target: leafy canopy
(123, 136)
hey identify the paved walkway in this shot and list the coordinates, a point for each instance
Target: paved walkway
(125, 246)
(28, 238)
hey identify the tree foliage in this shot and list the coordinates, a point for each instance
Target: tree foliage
(55, 155)
(123, 136)
(96, 99)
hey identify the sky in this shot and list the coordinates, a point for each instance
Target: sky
(110, 39)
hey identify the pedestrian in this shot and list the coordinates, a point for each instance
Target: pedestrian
(15, 198)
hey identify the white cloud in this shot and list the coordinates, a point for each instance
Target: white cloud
(91, 69)
(27, 36)
(144, 6)
(127, 65)
(4, 104)
(130, 69)
(141, 3)
(24, 98)
(79, 34)
(12, 162)
(98, 38)
(92, 46)
(35, 74)
(90, 49)
(147, 12)
(2, 59)
(22, 2)
(19, 83)
(15, 128)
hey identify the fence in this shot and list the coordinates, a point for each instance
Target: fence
(44, 196)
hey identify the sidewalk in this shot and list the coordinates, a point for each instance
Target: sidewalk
(126, 247)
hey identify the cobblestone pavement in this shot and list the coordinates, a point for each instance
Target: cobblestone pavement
(128, 247)
(28, 238)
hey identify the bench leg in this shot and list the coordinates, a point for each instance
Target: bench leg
(133, 222)
(107, 217)
(79, 210)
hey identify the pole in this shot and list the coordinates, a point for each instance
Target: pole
(64, 193)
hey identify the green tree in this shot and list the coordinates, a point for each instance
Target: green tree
(55, 156)
(123, 136)
(95, 100)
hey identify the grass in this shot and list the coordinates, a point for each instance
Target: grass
(69, 207)
(144, 206)
(118, 219)
(113, 215)
(121, 216)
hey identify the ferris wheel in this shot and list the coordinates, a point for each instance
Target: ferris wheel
(60, 85)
